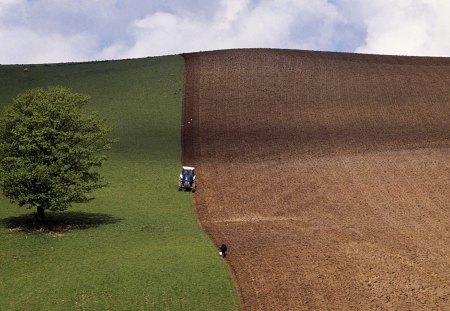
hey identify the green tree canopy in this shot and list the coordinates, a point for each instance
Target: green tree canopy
(50, 149)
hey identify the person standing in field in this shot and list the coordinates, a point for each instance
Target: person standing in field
(223, 250)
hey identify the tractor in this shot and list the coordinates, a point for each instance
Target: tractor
(187, 179)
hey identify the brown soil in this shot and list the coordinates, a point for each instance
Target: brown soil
(327, 174)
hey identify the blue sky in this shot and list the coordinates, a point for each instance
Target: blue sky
(43, 31)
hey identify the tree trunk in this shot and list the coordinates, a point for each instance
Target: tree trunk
(40, 214)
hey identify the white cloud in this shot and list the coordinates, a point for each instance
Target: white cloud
(67, 30)
(276, 24)
(26, 46)
(24, 40)
(407, 27)
(6, 5)
(229, 11)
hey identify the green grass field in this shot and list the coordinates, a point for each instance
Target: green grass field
(142, 248)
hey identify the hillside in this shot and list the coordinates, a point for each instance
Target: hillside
(137, 246)
(326, 173)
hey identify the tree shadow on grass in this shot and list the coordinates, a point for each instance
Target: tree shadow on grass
(57, 222)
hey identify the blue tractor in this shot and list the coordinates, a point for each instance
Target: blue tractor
(187, 179)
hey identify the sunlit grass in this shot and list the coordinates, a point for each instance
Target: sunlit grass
(140, 247)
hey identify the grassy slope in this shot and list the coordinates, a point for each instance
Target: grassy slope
(154, 256)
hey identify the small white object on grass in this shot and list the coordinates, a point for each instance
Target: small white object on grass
(220, 253)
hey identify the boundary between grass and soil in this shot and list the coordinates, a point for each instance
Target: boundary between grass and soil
(189, 118)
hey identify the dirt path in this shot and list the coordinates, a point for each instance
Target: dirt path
(327, 174)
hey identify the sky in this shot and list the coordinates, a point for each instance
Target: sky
(51, 31)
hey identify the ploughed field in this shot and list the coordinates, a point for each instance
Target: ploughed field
(327, 174)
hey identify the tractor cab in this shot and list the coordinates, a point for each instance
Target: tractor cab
(187, 179)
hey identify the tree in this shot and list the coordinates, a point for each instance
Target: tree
(50, 149)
